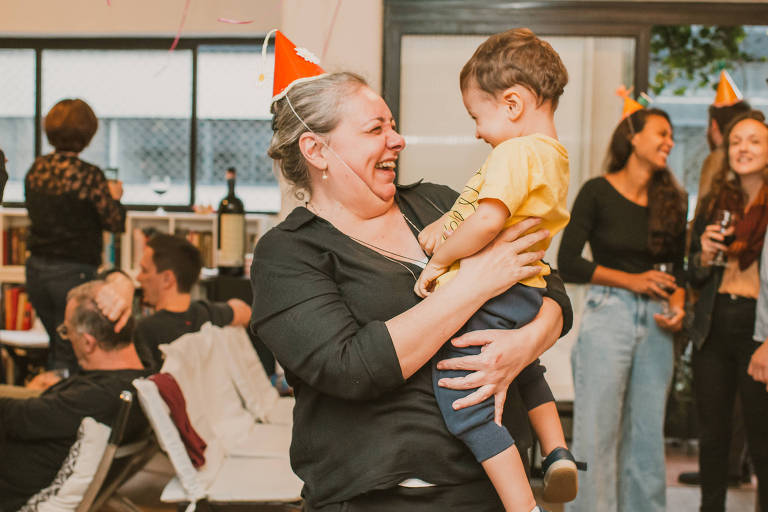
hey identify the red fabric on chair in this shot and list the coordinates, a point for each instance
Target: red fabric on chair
(171, 393)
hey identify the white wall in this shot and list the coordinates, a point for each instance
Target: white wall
(306, 22)
(44, 18)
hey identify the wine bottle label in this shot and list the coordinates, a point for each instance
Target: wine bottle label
(232, 247)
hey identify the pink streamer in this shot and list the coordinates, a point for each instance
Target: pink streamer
(109, 3)
(234, 22)
(330, 30)
(181, 26)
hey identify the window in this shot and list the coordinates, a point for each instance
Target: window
(17, 116)
(187, 114)
(689, 111)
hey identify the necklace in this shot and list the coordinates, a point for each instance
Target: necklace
(421, 263)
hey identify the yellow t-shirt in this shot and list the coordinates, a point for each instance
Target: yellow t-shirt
(530, 176)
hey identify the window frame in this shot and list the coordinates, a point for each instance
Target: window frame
(39, 45)
(549, 18)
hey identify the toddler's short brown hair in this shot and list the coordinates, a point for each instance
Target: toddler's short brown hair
(516, 57)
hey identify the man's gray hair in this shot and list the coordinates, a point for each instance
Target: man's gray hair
(88, 319)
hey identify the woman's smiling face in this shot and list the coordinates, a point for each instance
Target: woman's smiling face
(748, 147)
(654, 142)
(366, 146)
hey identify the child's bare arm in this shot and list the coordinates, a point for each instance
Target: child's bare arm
(430, 236)
(473, 234)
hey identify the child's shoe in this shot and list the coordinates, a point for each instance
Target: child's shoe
(561, 481)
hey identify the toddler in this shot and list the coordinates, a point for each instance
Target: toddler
(510, 87)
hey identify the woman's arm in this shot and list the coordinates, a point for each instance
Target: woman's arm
(419, 332)
(303, 318)
(505, 354)
(703, 249)
(111, 212)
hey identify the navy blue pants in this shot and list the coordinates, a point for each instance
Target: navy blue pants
(474, 425)
(48, 282)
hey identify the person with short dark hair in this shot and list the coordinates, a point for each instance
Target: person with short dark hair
(168, 269)
(36, 433)
(70, 203)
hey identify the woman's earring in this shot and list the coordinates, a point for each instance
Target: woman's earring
(325, 175)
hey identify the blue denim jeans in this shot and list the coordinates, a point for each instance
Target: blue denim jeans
(48, 282)
(622, 368)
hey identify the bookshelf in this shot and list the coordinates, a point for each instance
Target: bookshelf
(200, 229)
(126, 249)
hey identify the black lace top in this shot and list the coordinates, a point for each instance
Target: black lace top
(69, 206)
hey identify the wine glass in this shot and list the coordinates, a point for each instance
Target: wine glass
(724, 219)
(667, 268)
(160, 185)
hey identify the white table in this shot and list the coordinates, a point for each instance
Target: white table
(23, 347)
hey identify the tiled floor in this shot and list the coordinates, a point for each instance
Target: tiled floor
(145, 488)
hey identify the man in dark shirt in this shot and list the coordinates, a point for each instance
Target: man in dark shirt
(37, 433)
(169, 267)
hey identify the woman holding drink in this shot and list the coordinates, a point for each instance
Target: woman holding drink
(726, 245)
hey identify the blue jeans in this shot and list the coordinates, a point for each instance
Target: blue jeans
(48, 282)
(622, 368)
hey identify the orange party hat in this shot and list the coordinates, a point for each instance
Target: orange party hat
(293, 65)
(727, 92)
(630, 106)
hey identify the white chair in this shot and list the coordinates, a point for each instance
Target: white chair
(259, 396)
(97, 464)
(245, 461)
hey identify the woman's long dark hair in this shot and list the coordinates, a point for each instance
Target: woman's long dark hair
(725, 192)
(666, 199)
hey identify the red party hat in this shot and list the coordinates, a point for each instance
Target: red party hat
(293, 65)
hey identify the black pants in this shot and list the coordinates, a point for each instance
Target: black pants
(48, 282)
(470, 497)
(474, 425)
(720, 371)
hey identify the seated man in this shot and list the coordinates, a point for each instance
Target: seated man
(37, 433)
(169, 267)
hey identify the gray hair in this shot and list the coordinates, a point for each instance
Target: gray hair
(88, 319)
(318, 103)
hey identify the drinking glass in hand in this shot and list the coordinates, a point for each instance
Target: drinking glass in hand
(667, 268)
(725, 219)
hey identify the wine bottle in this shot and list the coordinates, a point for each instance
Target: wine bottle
(231, 240)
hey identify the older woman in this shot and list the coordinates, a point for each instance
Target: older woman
(633, 217)
(724, 317)
(333, 298)
(70, 203)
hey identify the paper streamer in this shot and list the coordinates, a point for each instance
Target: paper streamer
(234, 22)
(181, 26)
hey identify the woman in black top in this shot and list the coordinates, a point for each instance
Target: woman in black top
(70, 203)
(633, 217)
(724, 317)
(334, 300)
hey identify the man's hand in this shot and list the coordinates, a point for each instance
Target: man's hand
(113, 304)
(44, 380)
